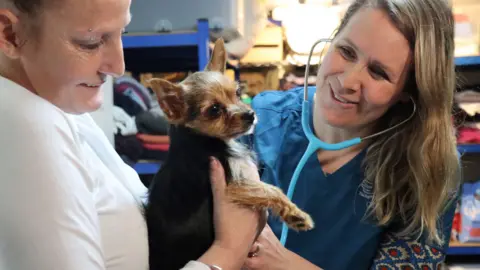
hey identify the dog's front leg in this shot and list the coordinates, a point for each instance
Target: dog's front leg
(261, 196)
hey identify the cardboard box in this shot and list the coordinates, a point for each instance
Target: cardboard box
(268, 47)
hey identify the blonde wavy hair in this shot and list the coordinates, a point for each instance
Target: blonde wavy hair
(415, 169)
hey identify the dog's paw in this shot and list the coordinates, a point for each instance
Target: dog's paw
(299, 220)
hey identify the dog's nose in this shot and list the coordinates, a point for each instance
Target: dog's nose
(248, 117)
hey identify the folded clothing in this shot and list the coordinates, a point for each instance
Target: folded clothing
(124, 123)
(151, 122)
(147, 138)
(135, 91)
(468, 135)
(156, 146)
(129, 147)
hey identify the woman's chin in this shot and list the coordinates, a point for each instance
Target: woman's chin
(340, 121)
(94, 105)
(88, 105)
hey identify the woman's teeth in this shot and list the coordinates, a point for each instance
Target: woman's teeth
(91, 85)
(342, 99)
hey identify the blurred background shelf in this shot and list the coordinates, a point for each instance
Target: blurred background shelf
(464, 249)
(467, 61)
(169, 51)
(468, 148)
(147, 167)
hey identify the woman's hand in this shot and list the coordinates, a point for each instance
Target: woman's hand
(268, 253)
(235, 227)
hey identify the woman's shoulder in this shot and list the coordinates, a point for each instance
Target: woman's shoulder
(278, 100)
(274, 108)
(26, 116)
(36, 133)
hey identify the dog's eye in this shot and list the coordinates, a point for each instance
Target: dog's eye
(215, 110)
(239, 91)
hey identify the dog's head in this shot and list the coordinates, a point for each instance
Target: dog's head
(207, 101)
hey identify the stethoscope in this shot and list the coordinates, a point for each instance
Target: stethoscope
(314, 144)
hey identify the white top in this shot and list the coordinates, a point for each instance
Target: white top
(67, 200)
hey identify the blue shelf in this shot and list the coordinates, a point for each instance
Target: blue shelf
(160, 40)
(468, 148)
(147, 167)
(467, 61)
(463, 250)
(199, 39)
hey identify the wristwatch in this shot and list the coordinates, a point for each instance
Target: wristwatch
(214, 267)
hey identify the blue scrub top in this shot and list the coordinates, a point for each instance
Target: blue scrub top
(343, 238)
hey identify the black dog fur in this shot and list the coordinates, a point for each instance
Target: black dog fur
(180, 212)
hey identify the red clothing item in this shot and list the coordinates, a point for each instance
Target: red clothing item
(468, 135)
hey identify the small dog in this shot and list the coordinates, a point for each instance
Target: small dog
(206, 116)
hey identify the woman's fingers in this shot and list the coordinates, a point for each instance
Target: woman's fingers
(262, 222)
(253, 261)
(254, 250)
(217, 179)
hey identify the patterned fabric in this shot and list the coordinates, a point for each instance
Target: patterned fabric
(399, 254)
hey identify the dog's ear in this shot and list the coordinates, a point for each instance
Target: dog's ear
(171, 98)
(218, 60)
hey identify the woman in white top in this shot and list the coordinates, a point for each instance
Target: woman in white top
(67, 201)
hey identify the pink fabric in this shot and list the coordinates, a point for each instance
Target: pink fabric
(468, 135)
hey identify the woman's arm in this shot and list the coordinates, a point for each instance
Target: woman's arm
(48, 217)
(402, 253)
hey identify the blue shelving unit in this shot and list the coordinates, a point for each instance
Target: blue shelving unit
(147, 167)
(467, 61)
(199, 39)
(468, 148)
(463, 250)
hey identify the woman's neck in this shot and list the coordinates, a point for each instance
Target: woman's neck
(13, 70)
(333, 160)
(331, 134)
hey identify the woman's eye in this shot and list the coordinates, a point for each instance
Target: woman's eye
(347, 53)
(379, 74)
(89, 43)
(91, 47)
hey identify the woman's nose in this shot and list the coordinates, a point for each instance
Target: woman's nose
(113, 62)
(351, 78)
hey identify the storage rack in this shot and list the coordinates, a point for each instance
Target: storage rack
(177, 48)
(163, 52)
(167, 51)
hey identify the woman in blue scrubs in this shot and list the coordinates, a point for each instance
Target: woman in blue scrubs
(386, 203)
